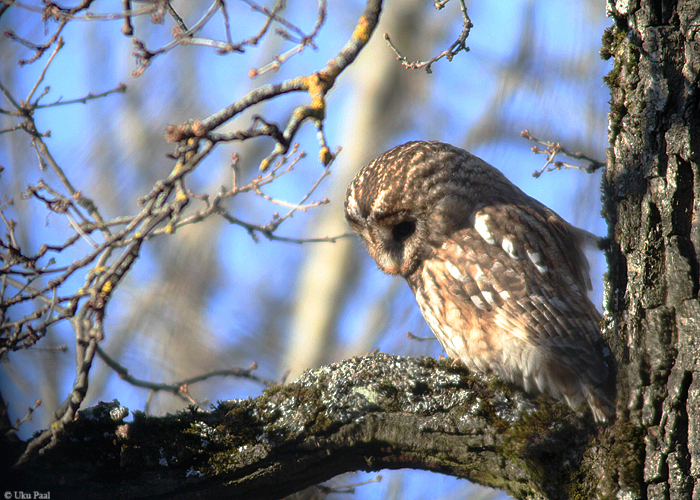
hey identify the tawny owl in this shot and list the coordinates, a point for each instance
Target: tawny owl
(501, 279)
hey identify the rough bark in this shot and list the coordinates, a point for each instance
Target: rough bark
(368, 413)
(652, 203)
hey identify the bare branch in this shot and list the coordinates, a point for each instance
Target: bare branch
(144, 56)
(302, 40)
(49, 11)
(449, 53)
(552, 149)
(35, 278)
(119, 89)
(317, 84)
(15, 428)
(420, 339)
(176, 388)
(59, 45)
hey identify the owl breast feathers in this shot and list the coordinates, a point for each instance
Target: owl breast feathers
(501, 279)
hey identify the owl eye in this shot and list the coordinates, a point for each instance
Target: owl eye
(403, 230)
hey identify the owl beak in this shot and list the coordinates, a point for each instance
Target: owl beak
(377, 243)
(387, 264)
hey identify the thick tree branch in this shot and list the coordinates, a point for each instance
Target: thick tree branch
(366, 413)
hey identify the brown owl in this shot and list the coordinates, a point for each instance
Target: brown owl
(501, 279)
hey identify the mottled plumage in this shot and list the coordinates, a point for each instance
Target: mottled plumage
(501, 279)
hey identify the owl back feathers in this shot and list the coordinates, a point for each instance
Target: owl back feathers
(500, 278)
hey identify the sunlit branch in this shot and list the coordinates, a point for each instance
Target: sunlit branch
(32, 278)
(317, 84)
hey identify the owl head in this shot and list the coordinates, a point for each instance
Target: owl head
(406, 202)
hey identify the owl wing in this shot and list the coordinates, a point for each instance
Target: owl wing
(516, 282)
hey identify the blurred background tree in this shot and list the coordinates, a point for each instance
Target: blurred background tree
(217, 295)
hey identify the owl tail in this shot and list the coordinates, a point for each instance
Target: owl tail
(601, 403)
(601, 396)
(588, 387)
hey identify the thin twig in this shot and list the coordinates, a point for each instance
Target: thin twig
(420, 339)
(552, 149)
(15, 428)
(176, 387)
(456, 47)
(302, 42)
(119, 89)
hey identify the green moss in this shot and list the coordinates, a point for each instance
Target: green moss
(612, 78)
(430, 362)
(627, 455)
(547, 442)
(391, 397)
(611, 41)
(271, 391)
(616, 44)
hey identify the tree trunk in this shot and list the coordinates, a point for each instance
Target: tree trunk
(390, 412)
(652, 203)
